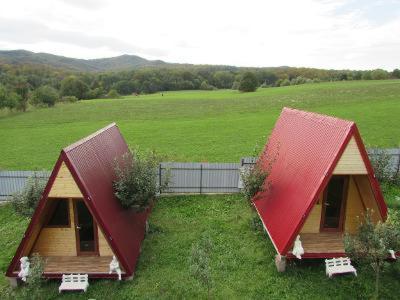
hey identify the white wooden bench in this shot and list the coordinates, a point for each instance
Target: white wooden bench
(74, 282)
(339, 265)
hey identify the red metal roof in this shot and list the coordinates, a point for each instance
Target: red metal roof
(91, 163)
(306, 147)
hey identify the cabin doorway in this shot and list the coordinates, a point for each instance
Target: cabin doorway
(85, 230)
(335, 196)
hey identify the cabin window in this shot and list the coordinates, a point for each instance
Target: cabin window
(59, 213)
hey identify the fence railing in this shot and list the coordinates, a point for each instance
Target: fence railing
(193, 178)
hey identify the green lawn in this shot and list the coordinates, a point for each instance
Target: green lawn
(242, 260)
(197, 125)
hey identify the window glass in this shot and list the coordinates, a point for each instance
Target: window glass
(60, 216)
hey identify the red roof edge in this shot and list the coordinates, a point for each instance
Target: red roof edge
(321, 187)
(87, 138)
(91, 207)
(371, 175)
(35, 217)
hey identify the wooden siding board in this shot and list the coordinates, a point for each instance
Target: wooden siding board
(351, 161)
(64, 185)
(57, 241)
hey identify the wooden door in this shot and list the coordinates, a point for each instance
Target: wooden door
(85, 230)
(334, 201)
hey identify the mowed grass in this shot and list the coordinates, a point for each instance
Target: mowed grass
(197, 125)
(242, 260)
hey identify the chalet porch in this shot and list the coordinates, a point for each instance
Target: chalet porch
(321, 245)
(94, 266)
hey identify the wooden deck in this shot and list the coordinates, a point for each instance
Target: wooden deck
(323, 244)
(55, 266)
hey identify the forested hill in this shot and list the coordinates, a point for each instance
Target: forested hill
(123, 62)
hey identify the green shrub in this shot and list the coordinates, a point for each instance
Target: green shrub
(25, 201)
(381, 163)
(136, 183)
(205, 86)
(248, 82)
(113, 94)
(254, 180)
(372, 242)
(44, 95)
(34, 282)
(69, 99)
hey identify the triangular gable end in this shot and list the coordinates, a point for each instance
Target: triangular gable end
(61, 184)
(352, 159)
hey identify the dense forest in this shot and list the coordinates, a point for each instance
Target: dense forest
(41, 84)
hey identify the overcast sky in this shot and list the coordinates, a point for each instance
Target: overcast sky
(340, 34)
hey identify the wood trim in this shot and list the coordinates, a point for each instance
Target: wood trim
(51, 211)
(342, 207)
(359, 193)
(77, 238)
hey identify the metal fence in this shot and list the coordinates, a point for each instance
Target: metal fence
(14, 181)
(197, 178)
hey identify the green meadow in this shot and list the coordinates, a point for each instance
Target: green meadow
(205, 126)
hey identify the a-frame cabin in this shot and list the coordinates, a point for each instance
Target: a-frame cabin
(78, 224)
(321, 183)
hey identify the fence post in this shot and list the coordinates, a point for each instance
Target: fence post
(201, 177)
(159, 177)
(398, 165)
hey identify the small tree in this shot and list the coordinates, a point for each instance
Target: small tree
(73, 86)
(136, 183)
(371, 244)
(25, 201)
(46, 95)
(248, 82)
(199, 263)
(381, 163)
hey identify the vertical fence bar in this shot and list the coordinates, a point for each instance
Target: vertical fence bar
(201, 177)
(398, 165)
(159, 177)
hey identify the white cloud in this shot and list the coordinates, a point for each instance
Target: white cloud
(326, 34)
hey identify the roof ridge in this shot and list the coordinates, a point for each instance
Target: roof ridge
(317, 116)
(89, 137)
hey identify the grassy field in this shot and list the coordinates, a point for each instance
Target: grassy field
(197, 125)
(241, 262)
(203, 126)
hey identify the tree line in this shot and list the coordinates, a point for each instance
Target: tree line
(21, 85)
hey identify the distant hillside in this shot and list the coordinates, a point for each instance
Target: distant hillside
(117, 63)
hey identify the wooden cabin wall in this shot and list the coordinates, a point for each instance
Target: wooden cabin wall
(104, 248)
(351, 161)
(64, 185)
(368, 196)
(313, 221)
(57, 241)
(354, 207)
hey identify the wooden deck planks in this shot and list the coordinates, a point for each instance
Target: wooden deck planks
(77, 264)
(323, 242)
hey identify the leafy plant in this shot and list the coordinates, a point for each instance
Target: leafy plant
(34, 282)
(136, 183)
(25, 201)
(372, 242)
(381, 163)
(248, 82)
(199, 262)
(255, 178)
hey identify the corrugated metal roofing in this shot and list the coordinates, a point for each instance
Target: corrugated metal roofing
(91, 163)
(306, 147)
